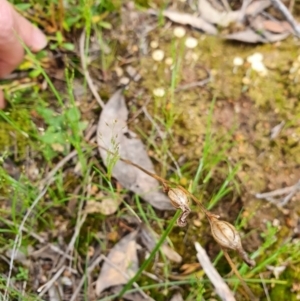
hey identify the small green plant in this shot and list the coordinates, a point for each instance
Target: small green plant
(58, 135)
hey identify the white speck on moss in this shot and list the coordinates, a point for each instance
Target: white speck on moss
(153, 44)
(260, 68)
(159, 92)
(256, 57)
(191, 42)
(238, 61)
(256, 61)
(158, 55)
(179, 32)
(169, 61)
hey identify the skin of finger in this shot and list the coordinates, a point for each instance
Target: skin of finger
(2, 102)
(12, 25)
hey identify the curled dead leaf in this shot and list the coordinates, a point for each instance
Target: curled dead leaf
(247, 36)
(188, 19)
(114, 135)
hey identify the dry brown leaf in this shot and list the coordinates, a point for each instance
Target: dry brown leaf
(113, 133)
(106, 206)
(272, 37)
(122, 260)
(177, 297)
(212, 15)
(190, 268)
(188, 19)
(260, 24)
(257, 6)
(247, 36)
(277, 26)
(150, 238)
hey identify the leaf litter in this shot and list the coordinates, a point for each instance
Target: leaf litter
(122, 264)
(249, 24)
(114, 135)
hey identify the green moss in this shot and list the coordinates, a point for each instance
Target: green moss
(14, 128)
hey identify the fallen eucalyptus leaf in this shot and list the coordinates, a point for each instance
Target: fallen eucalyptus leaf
(257, 6)
(247, 36)
(149, 238)
(273, 37)
(277, 26)
(212, 15)
(188, 19)
(260, 24)
(113, 133)
(122, 260)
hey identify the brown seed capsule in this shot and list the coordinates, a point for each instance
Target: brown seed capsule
(178, 198)
(225, 234)
(228, 237)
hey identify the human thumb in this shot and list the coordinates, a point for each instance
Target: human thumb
(13, 29)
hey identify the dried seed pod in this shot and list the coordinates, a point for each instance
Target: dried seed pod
(228, 237)
(225, 234)
(180, 200)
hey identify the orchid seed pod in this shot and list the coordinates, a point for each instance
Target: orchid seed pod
(224, 233)
(178, 198)
(228, 237)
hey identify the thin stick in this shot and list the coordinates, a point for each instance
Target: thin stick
(236, 272)
(287, 14)
(44, 288)
(221, 287)
(200, 83)
(276, 192)
(86, 72)
(18, 239)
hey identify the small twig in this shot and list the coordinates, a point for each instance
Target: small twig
(200, 83)
(18, 239)
(41, 240)
(290, 195)
(277, 192)
(290, 191)
(265, 287)
(45, 287)
(86, 72)
(233, 267)
(287, 14)
(90, 269)
(221, 287)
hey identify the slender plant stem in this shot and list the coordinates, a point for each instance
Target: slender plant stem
(149, 259)
(236, 272)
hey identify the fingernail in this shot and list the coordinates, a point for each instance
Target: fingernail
(39, 40)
